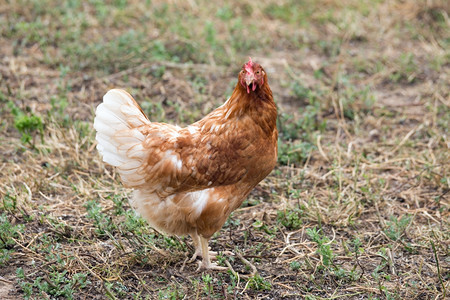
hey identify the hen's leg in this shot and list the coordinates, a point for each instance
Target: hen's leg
(198, 248)
(206, 262)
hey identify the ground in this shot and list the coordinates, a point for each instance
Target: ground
(357, 207)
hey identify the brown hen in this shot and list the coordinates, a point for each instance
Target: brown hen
(188, 180)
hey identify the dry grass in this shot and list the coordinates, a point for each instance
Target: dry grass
(357, 208)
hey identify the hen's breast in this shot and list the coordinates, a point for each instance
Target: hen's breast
(175, 214)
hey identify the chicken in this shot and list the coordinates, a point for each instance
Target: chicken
(188, 180)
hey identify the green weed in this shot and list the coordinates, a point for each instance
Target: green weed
(291, 12)
(260, 225)
(294, 152)
(258, 283)
(8, 232)
(103, 223)
(331, 47)
(379, 269)
(28, 124)
(297, 133)
(406, 69)
(210, 35)
(207, 284)
(395, 228)
(295, 265)
(225, 13)
(172, 292)
(9, 202)
(323, 245)
(58, 111)
(291, 218)
(54, 283)
(355, 100)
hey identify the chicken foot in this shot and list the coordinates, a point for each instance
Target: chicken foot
(202, 250)
(206, 263)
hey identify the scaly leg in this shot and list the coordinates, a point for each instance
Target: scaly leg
(206, 262)
(198, 248)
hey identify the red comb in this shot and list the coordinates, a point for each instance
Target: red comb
(249, 65)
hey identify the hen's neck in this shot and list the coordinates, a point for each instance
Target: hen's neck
(258, 105)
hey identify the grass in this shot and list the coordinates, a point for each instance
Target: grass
(357, 207)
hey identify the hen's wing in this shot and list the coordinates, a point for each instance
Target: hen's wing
(163, 158)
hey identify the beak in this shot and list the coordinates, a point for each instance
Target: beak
(249, 79)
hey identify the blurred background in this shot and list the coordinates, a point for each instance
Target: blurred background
(362, 89)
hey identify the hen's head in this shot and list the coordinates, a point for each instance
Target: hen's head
(252, 76)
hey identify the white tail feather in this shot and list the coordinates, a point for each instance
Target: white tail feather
(119, 140)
